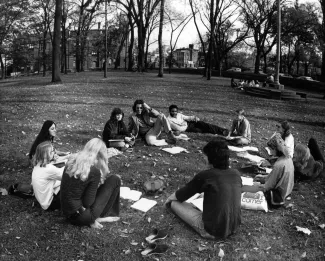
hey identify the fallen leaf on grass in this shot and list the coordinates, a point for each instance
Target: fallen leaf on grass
(202, 248)
(304, 254)
(149, 219)
(322, 226)
(221, 254)
(289, 205)
(304, 230)
(133, 243)
(3, 191)
(126, 252)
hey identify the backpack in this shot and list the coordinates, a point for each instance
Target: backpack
(154, 186)
(21, 190)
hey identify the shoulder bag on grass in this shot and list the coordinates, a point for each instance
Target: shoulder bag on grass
(21, 190)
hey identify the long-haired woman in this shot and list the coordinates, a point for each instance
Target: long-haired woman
(46, 178)
(89, 194)
(115, 129)
(47, 133)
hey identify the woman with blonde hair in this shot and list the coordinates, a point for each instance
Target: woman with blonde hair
(46, 178)
(308, 161)
(89, 194)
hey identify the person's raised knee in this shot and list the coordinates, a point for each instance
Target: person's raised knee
(114, 179)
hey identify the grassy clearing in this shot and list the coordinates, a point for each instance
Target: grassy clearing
(81, 106)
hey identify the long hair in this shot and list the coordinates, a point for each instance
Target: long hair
(135, 104)
(44, 135)
(286, 129)
(218, 153)
(93, 154)
(301, 156)
(115, 112)
(42, 154)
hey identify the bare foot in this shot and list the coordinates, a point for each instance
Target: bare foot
(108, 219)
(96, 224)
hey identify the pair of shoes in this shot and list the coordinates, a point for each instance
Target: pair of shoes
(156, 235)
(154, 249)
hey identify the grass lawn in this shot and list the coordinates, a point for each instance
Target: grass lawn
(81, 106)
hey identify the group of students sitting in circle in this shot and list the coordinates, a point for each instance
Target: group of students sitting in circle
(88, 194)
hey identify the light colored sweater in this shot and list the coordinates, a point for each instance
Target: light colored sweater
(179, 123)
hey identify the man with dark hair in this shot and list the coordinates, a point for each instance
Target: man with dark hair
(180, 123)
(222, 187)
(240, 132)
(148, 123)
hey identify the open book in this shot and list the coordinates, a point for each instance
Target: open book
(127, 193)
(144, 204)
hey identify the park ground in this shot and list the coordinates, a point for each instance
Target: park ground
(82, 104)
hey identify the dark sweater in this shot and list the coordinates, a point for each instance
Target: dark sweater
(76, 193)
(115, 130)
(221, 204)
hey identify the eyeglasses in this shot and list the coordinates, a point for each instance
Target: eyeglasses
(138, 108)
(278, 126)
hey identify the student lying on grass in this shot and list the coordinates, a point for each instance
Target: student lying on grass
(47, 133)
(148, 123)
(180, 123)
(240, 132)
(222, 187)
(308, 161)
(115, 129)
(89, 195)
(46, 178)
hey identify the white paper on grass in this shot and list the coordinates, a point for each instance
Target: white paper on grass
(182, 136)
(238, 149)
(304, 230)
(127, 193)
(250, 157)
(247, 181)
(175, 150)
(144, 204)
(196, 200)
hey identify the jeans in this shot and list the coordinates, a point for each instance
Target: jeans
(314, 150)
(191, 216)
(107, 203)
(161, 124)
(203, 127)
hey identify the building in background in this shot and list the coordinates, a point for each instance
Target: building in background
(186, 57)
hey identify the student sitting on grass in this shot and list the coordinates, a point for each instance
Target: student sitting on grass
(47, 133)
(279, 183)
(222, 187)
(115, 129)
(46, 178)
(89, 195)
(180, 123)
(148, 123)
(240, 132)
(308, 161)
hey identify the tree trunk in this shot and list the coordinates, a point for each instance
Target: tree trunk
(211, 39)
(56, 42)
(44, 53)
(161, 54)
(130, 50)
(118, 55)
(323, 64)
(2, 68)
(257, 61)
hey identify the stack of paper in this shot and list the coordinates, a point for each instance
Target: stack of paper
(127, 193)
(241, 149)
(247, 181)
(175, 150)
(144, 204)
